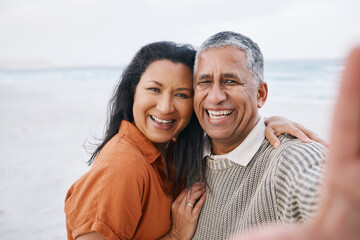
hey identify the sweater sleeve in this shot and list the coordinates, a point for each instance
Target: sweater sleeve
(297, 181)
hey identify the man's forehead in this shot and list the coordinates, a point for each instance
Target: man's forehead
(227, 51)
(228, 59)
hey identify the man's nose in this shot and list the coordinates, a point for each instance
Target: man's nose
(216, 94)
(165, 104)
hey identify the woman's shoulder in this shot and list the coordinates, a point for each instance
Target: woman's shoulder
(119, 160)
(118, 174)
(120, 153)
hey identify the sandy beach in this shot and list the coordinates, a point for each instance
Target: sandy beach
(44, 126)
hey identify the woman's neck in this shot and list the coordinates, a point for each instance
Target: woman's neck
(161, 147)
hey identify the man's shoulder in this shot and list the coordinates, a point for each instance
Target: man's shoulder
(290, 144)
(295, 154)
(293, 151)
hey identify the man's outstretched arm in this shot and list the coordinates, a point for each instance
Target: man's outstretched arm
(339, 214)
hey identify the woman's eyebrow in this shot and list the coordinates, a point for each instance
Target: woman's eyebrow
(156, 82)
(185, 88)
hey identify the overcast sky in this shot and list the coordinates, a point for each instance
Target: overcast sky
(109, 32)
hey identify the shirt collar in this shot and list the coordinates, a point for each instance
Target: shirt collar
(145, 145)
(243, 153)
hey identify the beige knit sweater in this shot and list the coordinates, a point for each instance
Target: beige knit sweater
(278, 185)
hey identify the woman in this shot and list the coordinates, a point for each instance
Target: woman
(151, 150)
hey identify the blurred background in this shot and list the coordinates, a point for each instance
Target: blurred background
(59, 61)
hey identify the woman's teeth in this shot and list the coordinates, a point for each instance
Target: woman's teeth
(219, 114)
(161, 121)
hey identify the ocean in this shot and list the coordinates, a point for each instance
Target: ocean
(47, 116)
(301, 79)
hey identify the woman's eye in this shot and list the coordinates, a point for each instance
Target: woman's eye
(182, 95)
(157, 90)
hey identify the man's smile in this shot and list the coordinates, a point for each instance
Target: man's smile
(219, 114)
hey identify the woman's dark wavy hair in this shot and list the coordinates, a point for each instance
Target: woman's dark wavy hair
(186, 155)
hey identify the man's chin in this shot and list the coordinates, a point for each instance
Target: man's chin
(219, 136)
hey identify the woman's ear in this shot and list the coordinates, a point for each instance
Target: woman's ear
(262, 94)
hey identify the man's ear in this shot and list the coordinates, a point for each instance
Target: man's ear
(262, 94)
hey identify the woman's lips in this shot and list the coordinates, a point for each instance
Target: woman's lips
(161, 121)
(163, 124)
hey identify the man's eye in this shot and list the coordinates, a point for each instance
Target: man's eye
(204, 82)
(157, 90)
(230, 82)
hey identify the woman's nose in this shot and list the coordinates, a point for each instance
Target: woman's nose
(165, 104)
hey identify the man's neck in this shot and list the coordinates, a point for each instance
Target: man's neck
(223, 146)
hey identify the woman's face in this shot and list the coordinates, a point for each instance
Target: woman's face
(163, 101)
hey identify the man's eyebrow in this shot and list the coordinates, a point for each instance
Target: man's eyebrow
(230, 75)
(156, 82)
(204, 76)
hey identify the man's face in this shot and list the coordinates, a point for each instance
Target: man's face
(226, 97)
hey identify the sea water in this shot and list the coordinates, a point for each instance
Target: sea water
(299, 79)
(303, 80)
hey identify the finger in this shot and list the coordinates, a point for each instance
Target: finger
(181, 197)
(297, 132)
(313, 136)
(195, 187)
(346, 126)
(272, 138)
(192, 201)
(199, 205)
(195, 195)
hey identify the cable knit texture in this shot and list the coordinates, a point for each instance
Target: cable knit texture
(277, 186)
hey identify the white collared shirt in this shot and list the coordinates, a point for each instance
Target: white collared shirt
(243, 153)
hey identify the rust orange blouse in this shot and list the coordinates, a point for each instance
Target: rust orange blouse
(125, 194)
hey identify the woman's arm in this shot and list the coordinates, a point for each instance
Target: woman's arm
(185, 212)
(276, 126)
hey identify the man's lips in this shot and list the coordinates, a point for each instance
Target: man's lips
(219, 114)
(162, 121)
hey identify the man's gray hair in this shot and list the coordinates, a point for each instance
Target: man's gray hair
(254, 57)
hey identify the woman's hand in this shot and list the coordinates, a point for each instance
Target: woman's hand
(185, 211)
(276, 126)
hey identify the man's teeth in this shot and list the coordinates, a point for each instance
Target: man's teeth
(161, 121)
(219, 114)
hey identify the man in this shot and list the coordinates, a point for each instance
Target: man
(249, 182)
(339, 216)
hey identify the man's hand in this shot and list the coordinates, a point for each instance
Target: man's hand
(339, 214)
